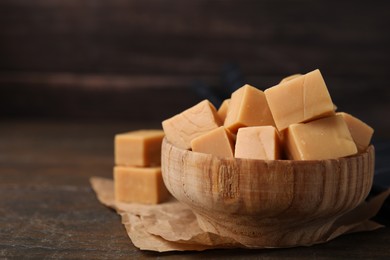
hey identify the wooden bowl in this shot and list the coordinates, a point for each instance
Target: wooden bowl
(267, 203)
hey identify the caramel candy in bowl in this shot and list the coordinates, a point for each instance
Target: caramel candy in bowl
(267, 203)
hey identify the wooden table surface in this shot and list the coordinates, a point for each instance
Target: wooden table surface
(48, 209)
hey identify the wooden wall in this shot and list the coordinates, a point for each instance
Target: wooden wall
(106, 59)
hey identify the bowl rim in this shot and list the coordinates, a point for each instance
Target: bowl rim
(370, 149)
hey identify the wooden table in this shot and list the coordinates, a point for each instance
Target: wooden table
(48, 209)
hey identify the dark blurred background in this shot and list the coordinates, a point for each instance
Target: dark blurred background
(143, 60)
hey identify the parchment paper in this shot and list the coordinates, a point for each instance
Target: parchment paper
(172, 226)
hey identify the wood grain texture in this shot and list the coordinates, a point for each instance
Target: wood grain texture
(99, 59)
(267, 203)
(48, 209)
(195, 37)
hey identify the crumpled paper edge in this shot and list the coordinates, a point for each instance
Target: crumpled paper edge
(148, 232)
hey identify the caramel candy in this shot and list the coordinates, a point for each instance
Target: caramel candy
(139, 185)
(325, 138)
(257, 142)
(299, 100)
(139, 148)
(290, 78)
(248, 107)
(222, 110)
(360, 131)
(219, 142)
(191, 123)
